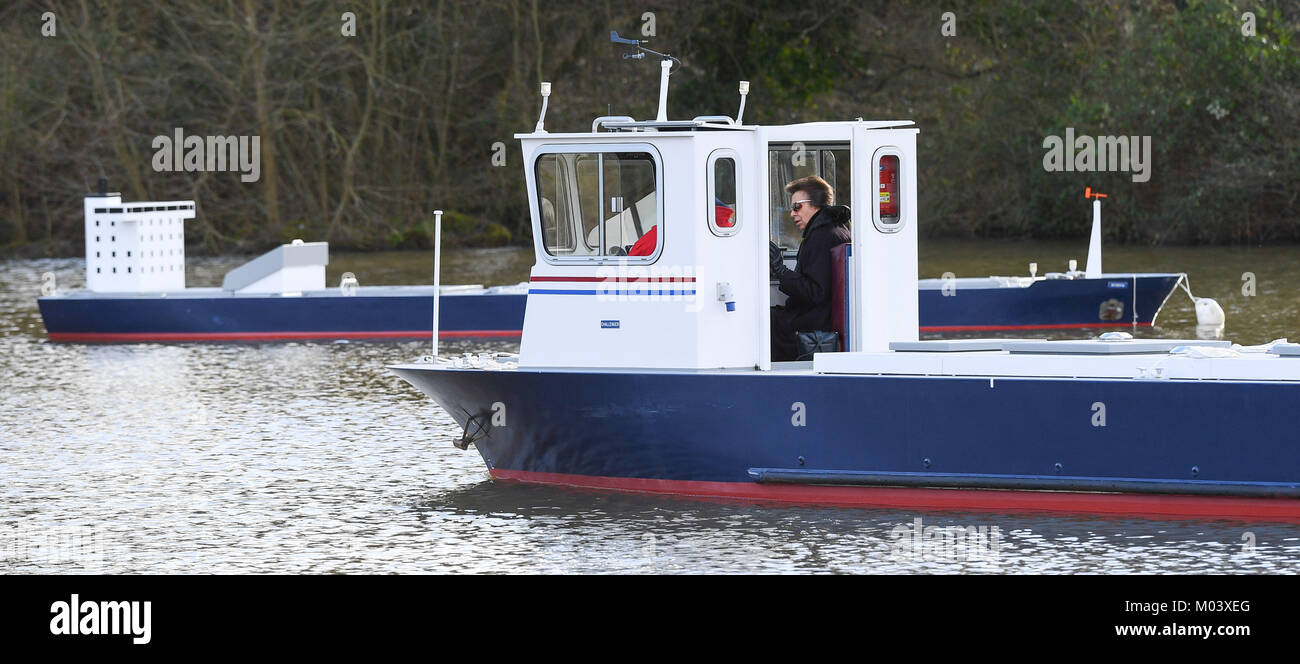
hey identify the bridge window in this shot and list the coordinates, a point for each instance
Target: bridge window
(598, 206)
(723, 211)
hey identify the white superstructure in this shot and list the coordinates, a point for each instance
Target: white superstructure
(712, 191)
(135, 247)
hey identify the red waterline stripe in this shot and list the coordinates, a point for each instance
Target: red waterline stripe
(271, 336)
(1127, 504)
(617, 279)
(1053, 326)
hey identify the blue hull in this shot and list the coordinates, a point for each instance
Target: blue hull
(867, 438)
(1116, 301)
(407, 312)
(209, 315)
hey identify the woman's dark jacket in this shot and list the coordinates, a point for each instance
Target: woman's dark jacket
(809, 283)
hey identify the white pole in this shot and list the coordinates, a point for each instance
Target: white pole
(664, 66)
(541, 119)
(437, 273)
(744, 90)
(1093, 270)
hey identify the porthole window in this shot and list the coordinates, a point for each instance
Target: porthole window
(887, 179)
(723, 209)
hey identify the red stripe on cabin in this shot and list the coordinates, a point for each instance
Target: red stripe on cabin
(618, 279)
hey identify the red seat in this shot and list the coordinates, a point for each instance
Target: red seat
(840, 292)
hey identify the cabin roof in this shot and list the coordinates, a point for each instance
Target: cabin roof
(640, 129)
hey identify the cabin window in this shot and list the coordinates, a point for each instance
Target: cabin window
(887, 178)
(791, 161)
(598, 206)
(722, 210)
(555, 204)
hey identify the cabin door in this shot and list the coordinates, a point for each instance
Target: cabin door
(787, 162)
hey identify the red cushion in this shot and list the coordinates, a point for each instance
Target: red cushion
(646, 245)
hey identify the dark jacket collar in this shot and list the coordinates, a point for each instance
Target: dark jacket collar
(831, 214)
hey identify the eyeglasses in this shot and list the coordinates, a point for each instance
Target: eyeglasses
(798, 204)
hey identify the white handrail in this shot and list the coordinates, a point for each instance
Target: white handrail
(595, 124)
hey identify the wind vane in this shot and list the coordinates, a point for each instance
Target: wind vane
(665, 68)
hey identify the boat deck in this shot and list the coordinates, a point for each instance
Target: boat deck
(1144, 359)
(361, 291)
(994, 282)
(1133, 359)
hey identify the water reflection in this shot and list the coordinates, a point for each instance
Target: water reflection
(1209, 331)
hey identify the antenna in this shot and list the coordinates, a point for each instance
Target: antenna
(665, 68)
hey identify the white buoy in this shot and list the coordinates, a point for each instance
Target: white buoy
(1208, 312)
(1209, 315)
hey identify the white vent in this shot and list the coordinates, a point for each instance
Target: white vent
(135, 247)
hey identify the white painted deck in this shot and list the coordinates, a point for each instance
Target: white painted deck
(1145, 359)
